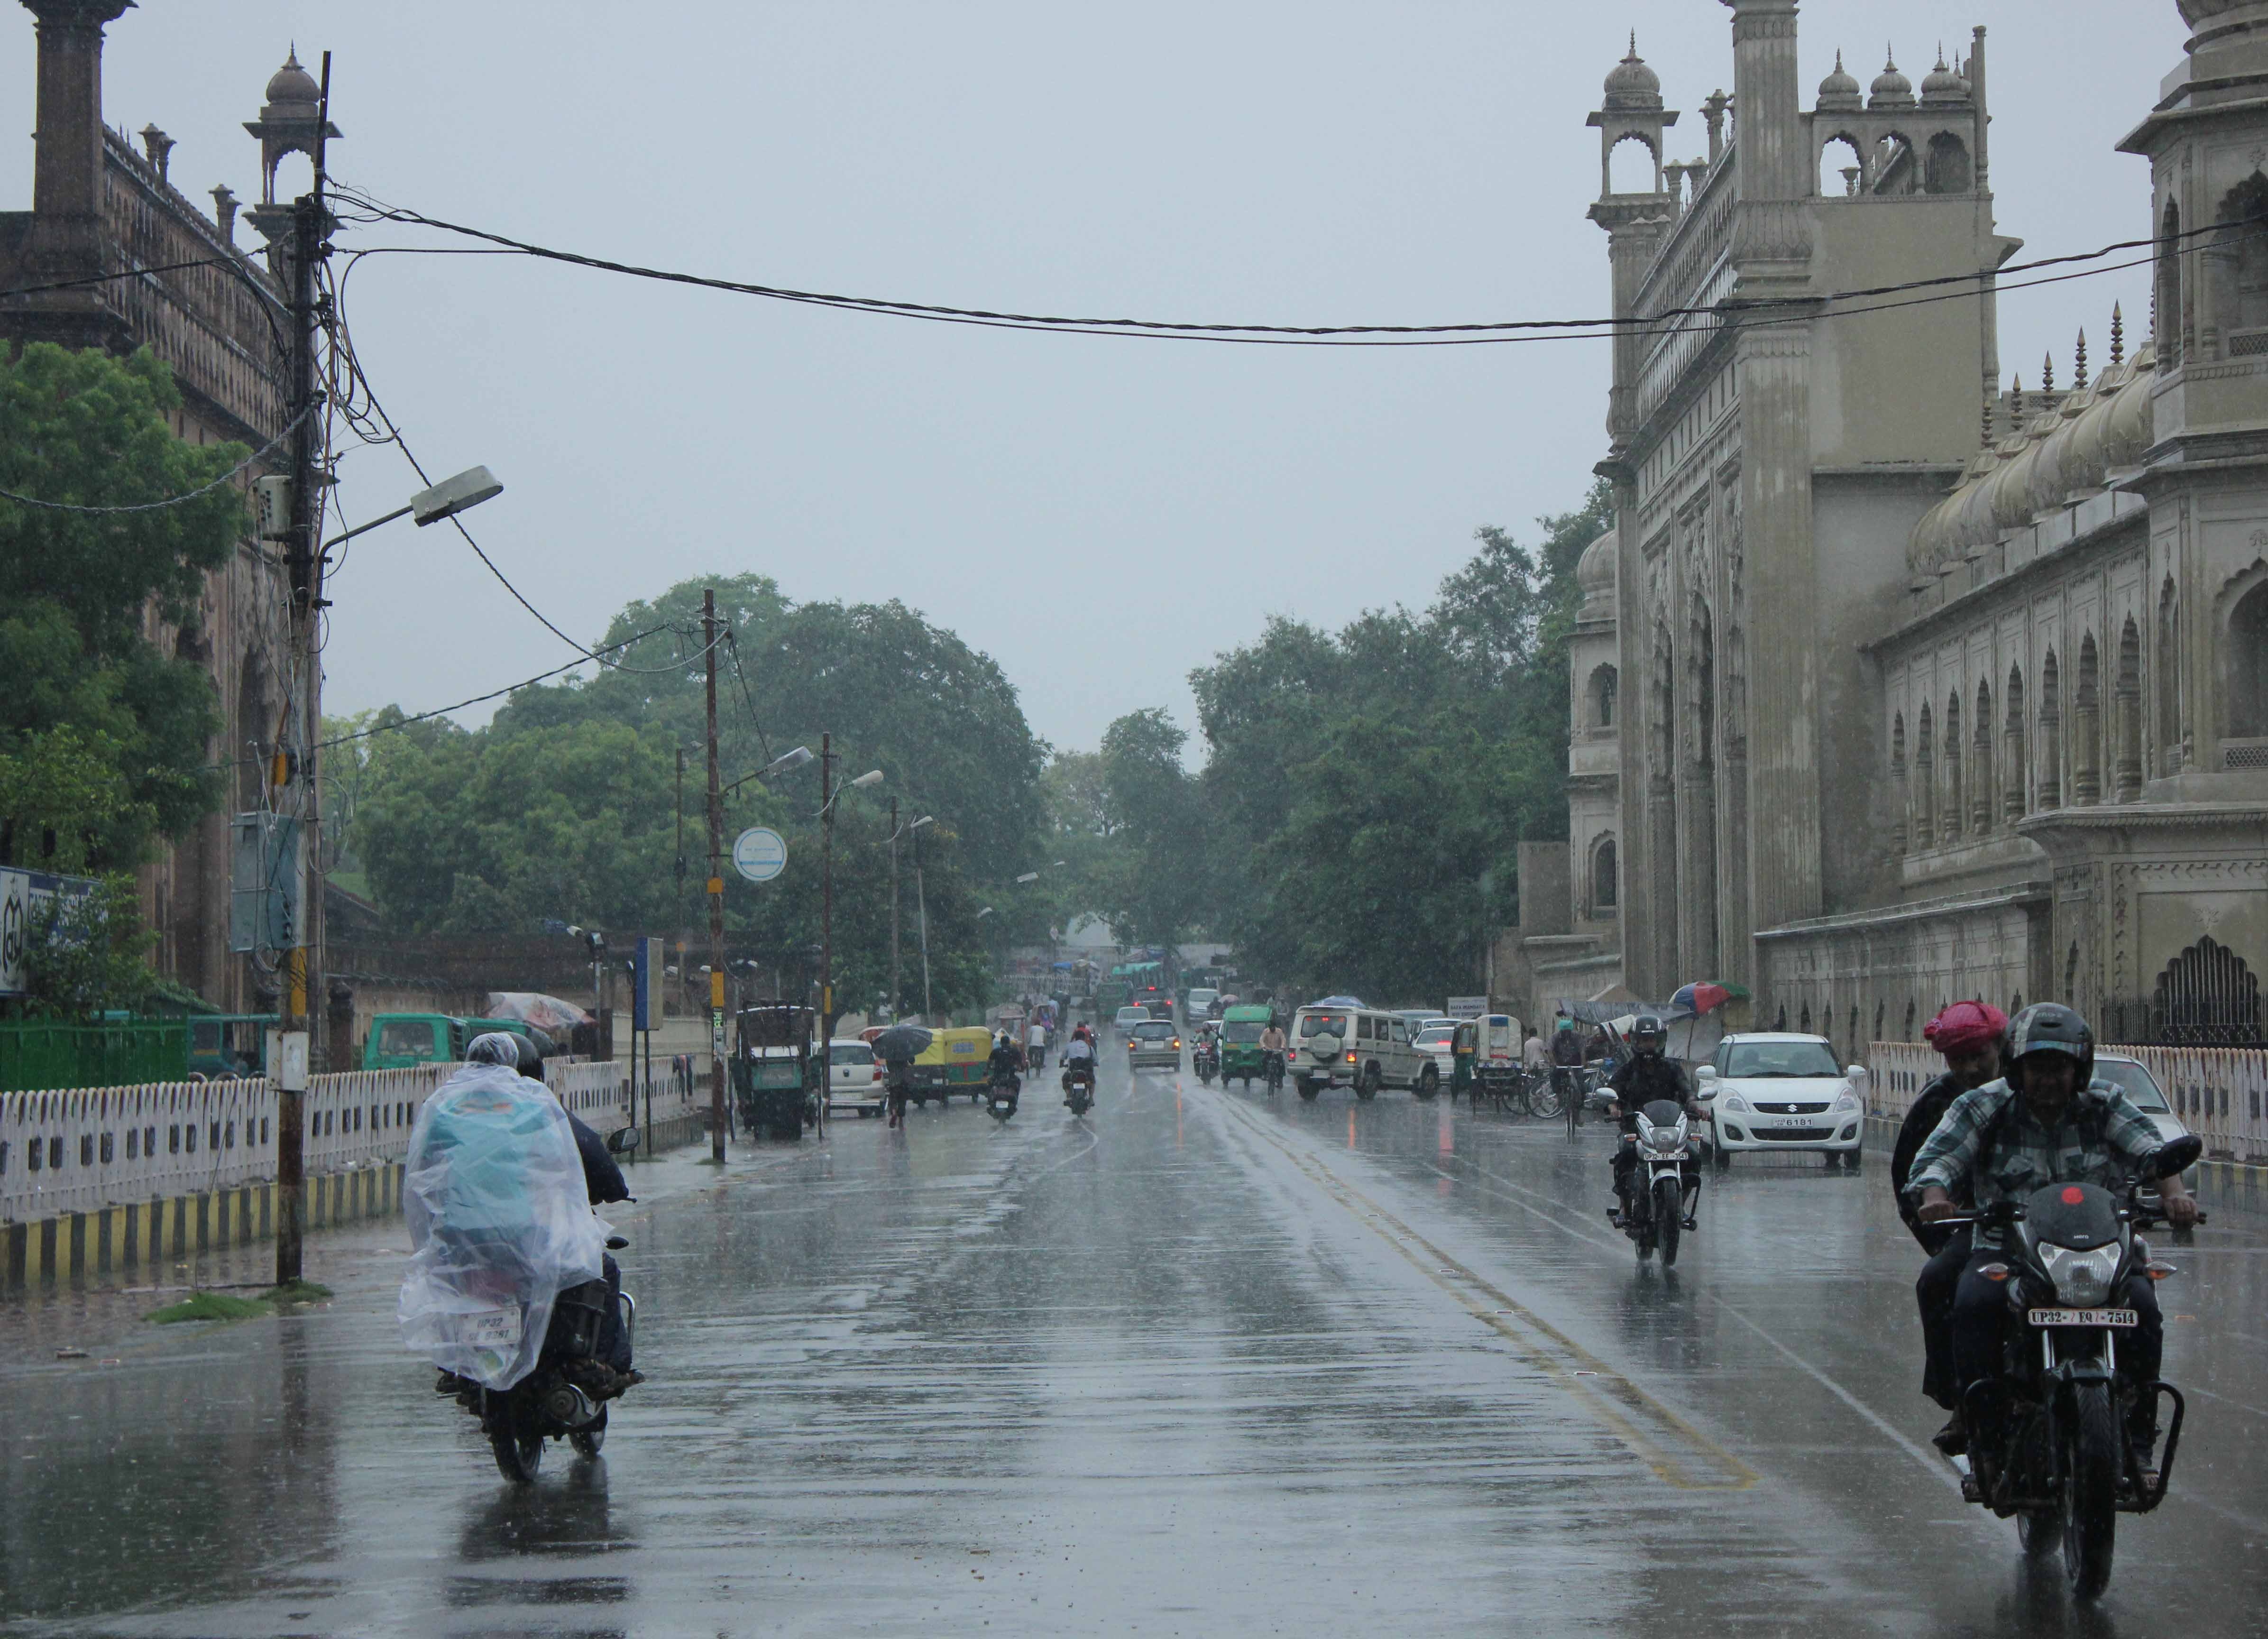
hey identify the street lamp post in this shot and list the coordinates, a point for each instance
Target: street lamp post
(827, 797)
(897, 997)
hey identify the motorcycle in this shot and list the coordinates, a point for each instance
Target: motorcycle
(1206, 1061)
(1078, 1087)
(2062, 1463)
(567, 1394)
(1664, 1186)
(1000, 1098)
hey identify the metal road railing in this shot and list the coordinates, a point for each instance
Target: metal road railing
(86, 1149)
(2220, 1093)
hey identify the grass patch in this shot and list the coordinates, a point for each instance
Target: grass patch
(222, 1306)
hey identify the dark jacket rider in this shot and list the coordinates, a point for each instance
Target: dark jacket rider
(1646, 1075)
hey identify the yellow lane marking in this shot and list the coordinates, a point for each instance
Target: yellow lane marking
(1678, 1452)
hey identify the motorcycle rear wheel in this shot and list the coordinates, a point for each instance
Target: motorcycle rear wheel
(1668, 1203)
(514, 1439)
(2090, 1490)
(591, 1436)
(2040, 1532)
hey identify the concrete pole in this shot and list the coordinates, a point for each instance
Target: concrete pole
(715, 894)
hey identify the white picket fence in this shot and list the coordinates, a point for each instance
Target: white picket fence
(2220, 1093)
(91, 1147)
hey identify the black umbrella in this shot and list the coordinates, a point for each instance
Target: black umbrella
(902, 1044)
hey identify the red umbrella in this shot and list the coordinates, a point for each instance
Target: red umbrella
(1706, 997)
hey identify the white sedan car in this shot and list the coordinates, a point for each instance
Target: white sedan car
(1770, 1091)
(1435, 1038)
(854, 1077)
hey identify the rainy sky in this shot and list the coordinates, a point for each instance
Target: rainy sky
(1101, 515)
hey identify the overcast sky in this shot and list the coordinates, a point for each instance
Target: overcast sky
(1100, 515)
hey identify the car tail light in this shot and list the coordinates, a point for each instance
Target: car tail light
(1349, 1057)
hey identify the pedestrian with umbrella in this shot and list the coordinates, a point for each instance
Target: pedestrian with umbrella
(898, 1047)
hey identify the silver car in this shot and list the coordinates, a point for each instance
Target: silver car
(1154, 1044)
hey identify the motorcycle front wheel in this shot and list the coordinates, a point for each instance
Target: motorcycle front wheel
(1669, 1200)
(2090, 1489)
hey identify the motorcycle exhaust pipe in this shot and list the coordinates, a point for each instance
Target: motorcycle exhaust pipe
(569, 1405)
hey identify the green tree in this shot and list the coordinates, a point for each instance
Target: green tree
(80, 591)
(87, 954)
(1156, 890)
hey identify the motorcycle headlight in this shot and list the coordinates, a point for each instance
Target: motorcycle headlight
(2080, 1278)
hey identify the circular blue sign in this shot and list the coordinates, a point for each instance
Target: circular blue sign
(759, 854)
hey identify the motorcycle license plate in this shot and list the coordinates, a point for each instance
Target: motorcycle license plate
(493, 1328)
(2122, 1318)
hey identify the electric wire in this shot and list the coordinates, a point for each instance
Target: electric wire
(1492, 330)
(260, 454)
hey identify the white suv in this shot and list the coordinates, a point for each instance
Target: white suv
(1358, 1047)
(1773, 1091)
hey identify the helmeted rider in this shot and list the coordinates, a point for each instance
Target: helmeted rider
(1078, 1058)
(1646, 1076)
(1008, 1059)
(601, 1176)
(2046, 1121)
(1968, 1034)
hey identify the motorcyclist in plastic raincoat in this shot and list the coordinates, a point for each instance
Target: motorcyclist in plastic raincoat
(499, 1219)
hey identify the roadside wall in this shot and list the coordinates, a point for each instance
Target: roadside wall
(96, 1178)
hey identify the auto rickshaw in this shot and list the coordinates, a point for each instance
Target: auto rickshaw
(1240, 1058)
(956, 1060)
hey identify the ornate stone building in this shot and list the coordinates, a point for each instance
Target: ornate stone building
(1914, 713)
(101, 208)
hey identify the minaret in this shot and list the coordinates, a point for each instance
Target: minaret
(66, 236)
(1631, 111)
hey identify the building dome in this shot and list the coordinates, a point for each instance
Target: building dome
(292, 84)
(1839, 89)
(1594, 575)
(1632, 84)
(1890, 89)
(1941, 85)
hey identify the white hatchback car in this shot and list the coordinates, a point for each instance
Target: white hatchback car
(854, 1077)
(1778, 1092)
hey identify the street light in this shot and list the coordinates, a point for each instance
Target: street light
(920, 905)
(445, 499)
(780, 764)
(827, 800)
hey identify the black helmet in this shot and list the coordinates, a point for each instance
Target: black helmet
(2050, 1027)
(1647, 1035)
(531, 1058)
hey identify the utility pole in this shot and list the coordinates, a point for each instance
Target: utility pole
(680, 903)
(716, 897)
(310, 227)
(826, 892)
(921, 907)
(894, 909)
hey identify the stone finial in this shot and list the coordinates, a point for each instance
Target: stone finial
(1988, 422)
(2047, 373)
(2016, 399)
(2079, 368)
(158, 145)
(223, 198)
(2117, 335)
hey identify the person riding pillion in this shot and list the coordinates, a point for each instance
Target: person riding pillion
(2046, 1121)
(1969, 1035)
(1647, 1076)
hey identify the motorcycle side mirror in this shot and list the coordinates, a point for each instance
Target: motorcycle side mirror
(2178, 1157)
(617, 1242)
(622, 1140)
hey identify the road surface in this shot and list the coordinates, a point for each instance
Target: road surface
(1204, 1363)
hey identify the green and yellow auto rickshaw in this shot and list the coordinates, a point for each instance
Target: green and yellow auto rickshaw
(1240, 1058)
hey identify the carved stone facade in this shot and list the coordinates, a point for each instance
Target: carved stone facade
(99, 208)
(1912, 719)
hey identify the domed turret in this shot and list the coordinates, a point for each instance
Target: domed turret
(1890, 89)
(292, 89)
(1839, 89)
(1942, 85)
(1631, 84)
(1595, 576)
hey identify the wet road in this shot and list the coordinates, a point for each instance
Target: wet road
(1206, 1363)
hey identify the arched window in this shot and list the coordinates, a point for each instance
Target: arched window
(1599, 694)
(2126, 715)
(1604, 879)
(1949, 829)
(1986, 798)
(1842, 172)
(2012, 751)
(2086, 727)
(2071, 976)
(1909, 1035)
(1924, 787)
(2050, 785)
(2207, 996)
(1632, 166)
(1881, 1008)
(2246, 716)
(1947, 169)
(2238, 266)
(1894, 171)
(1805, 1026)
(1901, 823)
(2166, 305)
